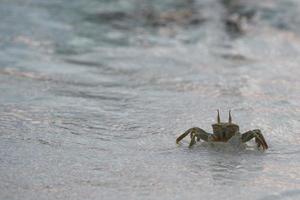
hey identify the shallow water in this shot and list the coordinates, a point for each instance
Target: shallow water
(93, 96)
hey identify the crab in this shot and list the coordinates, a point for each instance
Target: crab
(223, 132)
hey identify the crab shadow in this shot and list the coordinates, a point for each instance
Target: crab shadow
(229, 163)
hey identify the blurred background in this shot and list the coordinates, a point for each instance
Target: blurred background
(94, 94)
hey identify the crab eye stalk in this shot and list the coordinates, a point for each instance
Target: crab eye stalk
(218, 117)
(230, 118)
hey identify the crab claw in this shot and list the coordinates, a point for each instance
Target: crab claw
(196, 134)
(259, 138)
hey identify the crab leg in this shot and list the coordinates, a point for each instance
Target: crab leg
(195, 133)
(259, 138)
